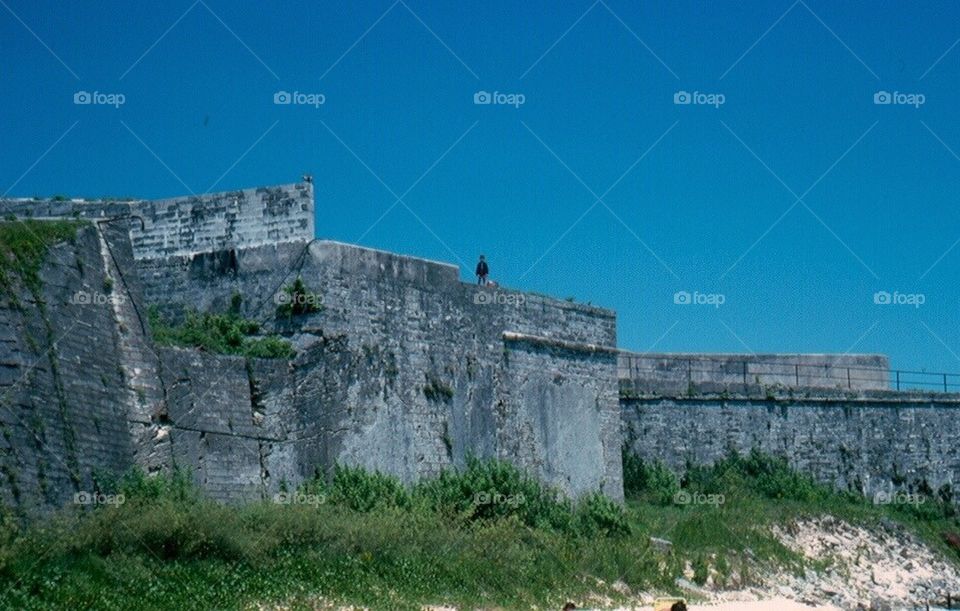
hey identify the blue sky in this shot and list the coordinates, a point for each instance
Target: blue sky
(793, 202)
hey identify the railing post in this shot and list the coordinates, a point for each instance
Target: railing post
(689, 372)
(796, 371)
(944, 382)
(744, 374)
(849, 384)
(898, 379)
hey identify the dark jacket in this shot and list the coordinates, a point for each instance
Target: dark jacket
(482, 269)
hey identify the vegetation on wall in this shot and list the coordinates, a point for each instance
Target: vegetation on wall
(437, 390)
(296, 300)
(218, 333)
(24, 246)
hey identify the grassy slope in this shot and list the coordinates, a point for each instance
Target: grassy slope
(166, 547)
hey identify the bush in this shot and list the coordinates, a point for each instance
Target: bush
(598, 515)
(218, 333)
(655, 482)
(769, 476)
(491, 490)
(296, 300)
(136, 486)
(483, 493)
(363, 491)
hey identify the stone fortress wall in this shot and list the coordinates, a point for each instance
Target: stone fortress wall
(405, 369)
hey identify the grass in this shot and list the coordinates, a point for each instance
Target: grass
(24, 246)
(218, 333)
(487, 535)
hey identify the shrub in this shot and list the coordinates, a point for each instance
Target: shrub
(769, 476)
(363, 491)
(492, 490)
(656, 481)
(296, 299)
(136, 486)
(219, 333)
(597, 514)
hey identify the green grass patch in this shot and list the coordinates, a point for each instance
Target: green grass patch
(218, 333)
(486, 535)
(24, 246)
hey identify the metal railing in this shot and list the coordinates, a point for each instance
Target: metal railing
(693, 370)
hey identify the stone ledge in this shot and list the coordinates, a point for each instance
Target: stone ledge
(549, 342)
(799, 396)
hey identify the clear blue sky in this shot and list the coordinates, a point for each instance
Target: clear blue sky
(712, 206)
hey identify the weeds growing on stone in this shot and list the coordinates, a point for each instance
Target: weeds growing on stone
(24, 246)
(218, 333)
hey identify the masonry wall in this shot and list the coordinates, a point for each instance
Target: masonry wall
(408, 371)
(643, 373)
(868, 442)
(234, 219)
(192, 224)
(65, 399)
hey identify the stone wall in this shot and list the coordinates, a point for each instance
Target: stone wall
(408, 371)
(193, 224)
(235, 219)
(66, 404)
(671, 373)
(869, 442)
(405, 370)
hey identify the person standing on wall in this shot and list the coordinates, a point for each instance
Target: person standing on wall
(482, 270)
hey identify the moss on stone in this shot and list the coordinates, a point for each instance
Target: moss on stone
(24, 246)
